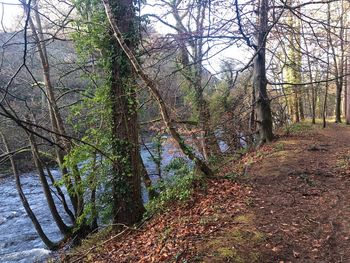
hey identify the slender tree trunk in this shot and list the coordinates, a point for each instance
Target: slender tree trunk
(347, 71)
(348, 86)
(301, 108)
(92, 186)
(348, 97)
(324, 115)
(348, 92)
(338, 103)
(345, 108)
(61, 195)
(329, 45)
(54, 113)
(296, 116)
(152, 193)
(46, 188)
(338, 65)
(263, 110)
(210, 144)
(252, 119)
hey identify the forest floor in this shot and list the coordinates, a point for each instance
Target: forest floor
(286, 202)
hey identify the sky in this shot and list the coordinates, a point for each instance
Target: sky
(12, 12)
(217, 55)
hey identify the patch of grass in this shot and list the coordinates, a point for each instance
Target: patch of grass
(229, 253)
(279, 146)
(232, 176)
(300, 128)
(249, 201)
(343, 164)
(282, 154)
(208, 220)
(258, 236)
(246, 219)
(236, 245)
(217, 160)
(344, 161)
(236, 235)
(240, 236)
(260, 154)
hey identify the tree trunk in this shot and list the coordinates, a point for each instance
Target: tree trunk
(46, 188)
(346, 77)
(338, 63)
(210, 144)
(92, 186)
(128, 207)
(345, 108)
(301, 108)
(61, 195)
(252, 117)
(152, 193)
(338, 102)
(348, 91)
(54, 113)
(329, 45)
(296, 116)
(263, 110)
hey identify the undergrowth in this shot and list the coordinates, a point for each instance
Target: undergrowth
(298, 128)
(177, 187)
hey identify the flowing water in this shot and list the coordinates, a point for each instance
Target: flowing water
(19, 241)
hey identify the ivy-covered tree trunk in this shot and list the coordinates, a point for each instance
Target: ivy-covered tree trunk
(127, 203)
(263, 109)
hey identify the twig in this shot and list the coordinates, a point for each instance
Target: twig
(137, 228)
(104, 242)
(311, 220)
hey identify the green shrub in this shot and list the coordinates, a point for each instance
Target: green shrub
(176, 187)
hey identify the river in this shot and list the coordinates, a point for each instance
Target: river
(19, 241)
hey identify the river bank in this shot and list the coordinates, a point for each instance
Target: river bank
(288, 201)
(18, 240)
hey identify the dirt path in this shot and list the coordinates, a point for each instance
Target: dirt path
(301, 198)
